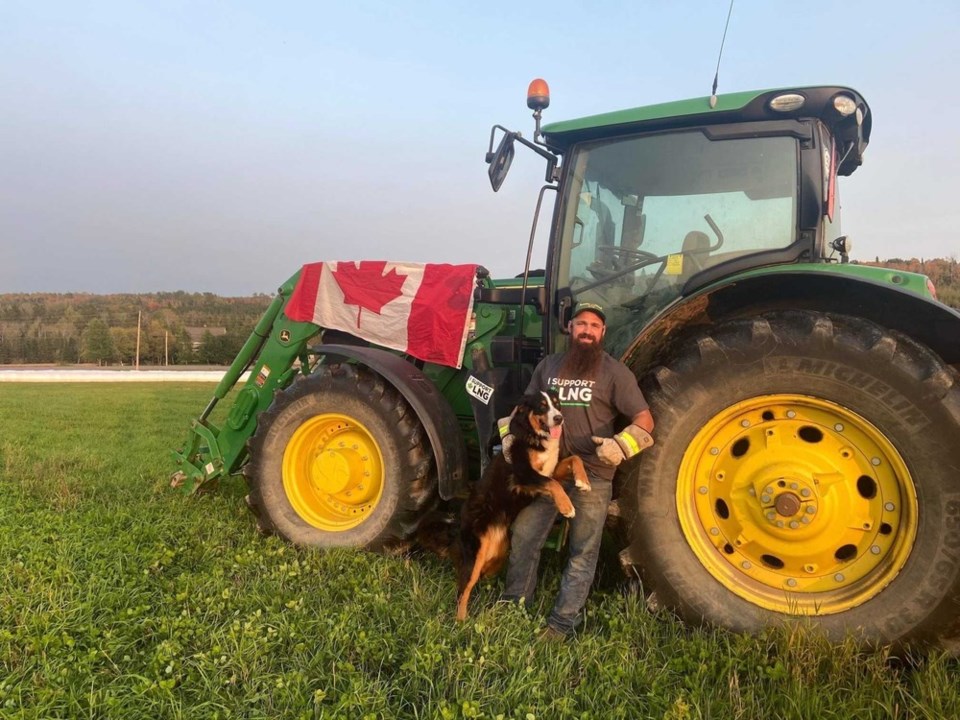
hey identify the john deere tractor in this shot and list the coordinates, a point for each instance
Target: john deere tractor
(807, 408)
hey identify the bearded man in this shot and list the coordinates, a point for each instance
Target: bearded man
(595, 390)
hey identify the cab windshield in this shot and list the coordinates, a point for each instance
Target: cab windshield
(642, 215)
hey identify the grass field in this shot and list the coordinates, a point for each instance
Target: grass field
(120, 598)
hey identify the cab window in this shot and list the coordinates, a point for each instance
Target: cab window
(643, 214)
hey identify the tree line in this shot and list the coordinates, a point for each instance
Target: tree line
(181, 328)
(175, 328)
(944, 273)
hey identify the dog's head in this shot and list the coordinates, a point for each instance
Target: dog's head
(540, 413)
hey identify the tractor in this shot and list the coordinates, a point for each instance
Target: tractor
(807, 457)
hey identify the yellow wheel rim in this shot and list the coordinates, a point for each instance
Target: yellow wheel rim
(796, 504)
(333, 472)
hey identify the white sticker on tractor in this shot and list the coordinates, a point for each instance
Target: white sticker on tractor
(479, 390)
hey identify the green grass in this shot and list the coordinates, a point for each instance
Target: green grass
(121, 598)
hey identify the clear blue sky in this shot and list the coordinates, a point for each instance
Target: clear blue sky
(217, 146)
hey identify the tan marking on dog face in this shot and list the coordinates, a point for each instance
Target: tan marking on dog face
(535, 422)
(549, 413)
(551, 408)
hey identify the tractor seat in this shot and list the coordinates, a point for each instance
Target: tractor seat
(695, 249)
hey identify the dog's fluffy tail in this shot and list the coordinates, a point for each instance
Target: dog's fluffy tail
(438, 534)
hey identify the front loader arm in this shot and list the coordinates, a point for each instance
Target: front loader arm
(274, 353)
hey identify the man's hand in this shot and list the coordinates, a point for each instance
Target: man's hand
(506, 437)
(631, 441)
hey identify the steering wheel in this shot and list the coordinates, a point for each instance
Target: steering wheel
(629, 254)
(578, 282)
(636, 254)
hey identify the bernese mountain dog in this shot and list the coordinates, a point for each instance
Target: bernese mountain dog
(506, 488)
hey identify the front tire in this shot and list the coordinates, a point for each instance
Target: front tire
(807, 465)
(340, 460)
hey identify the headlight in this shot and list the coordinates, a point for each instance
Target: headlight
(787, 102)
(845, 105)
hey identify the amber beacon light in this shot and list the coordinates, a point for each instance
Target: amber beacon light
(538, 95)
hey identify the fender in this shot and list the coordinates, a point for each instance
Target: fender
(431, 407)
(929, 322)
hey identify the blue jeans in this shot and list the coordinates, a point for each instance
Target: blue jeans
(530, 531)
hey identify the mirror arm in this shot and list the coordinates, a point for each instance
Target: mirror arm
(552, 160)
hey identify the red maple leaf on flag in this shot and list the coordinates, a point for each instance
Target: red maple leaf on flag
(364, 285)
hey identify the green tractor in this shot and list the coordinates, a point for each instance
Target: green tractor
(807, 462)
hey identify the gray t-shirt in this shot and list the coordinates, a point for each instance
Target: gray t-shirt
(590, 407)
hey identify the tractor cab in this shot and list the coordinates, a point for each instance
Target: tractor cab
(658, 202)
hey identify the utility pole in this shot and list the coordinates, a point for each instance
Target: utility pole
(166, 347)
(137, 361)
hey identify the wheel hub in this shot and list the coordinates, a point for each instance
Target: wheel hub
(797, 504)
(787, 504)
(333, 472)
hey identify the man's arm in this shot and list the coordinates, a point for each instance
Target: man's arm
(643, 419)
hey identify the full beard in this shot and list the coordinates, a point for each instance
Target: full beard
(582, 360)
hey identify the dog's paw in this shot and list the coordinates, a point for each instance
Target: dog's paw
(582, 484)
(569, 513)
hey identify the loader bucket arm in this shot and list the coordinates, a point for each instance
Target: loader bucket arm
(271, 354)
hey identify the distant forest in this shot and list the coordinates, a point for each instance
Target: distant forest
(176, 328)
(180, 328)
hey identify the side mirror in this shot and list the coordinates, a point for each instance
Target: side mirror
(500, 161)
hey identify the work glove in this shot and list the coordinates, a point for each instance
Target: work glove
(631, 441)
(506, 437)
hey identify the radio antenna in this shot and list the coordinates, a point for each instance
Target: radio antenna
(716, 76)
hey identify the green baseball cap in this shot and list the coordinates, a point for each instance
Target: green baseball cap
(592, 307)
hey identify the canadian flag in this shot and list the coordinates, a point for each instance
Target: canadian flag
(422, 310)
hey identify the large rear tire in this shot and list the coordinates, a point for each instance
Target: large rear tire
(807, 465)
(340, 459)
